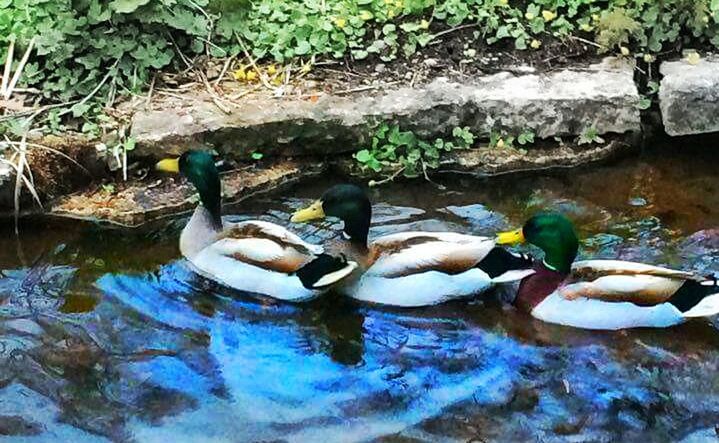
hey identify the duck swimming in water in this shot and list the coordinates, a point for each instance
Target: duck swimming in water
(411, 269)
(603, 294)
(253, 256)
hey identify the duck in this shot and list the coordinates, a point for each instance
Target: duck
(410, 269)
(603, 294)
(252, 256)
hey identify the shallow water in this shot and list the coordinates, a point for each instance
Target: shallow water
(107, 336)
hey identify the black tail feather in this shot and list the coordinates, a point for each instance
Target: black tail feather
(691, 293)
(499, 261)
(324, 264)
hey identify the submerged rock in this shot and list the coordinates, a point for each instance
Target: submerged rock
(16, 425)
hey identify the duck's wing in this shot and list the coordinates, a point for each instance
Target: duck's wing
(619, 281)
(591, 269)
(265, 245)
(273, 248)
(407, 253)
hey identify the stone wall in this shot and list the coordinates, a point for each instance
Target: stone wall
(326, 129)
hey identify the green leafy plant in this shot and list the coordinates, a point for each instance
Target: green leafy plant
(404, 152)
(90, 51)
(120, 151)
(589, 135)
(645, 100)
(80, 45)
(525, 137)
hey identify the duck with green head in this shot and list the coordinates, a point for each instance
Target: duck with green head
(603, 294)
(410, 269)
(253, 256)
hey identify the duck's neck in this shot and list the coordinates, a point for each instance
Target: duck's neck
(559, 263)
(560, 255)
(200, 232)
(206, 222)
(211, 199)
(356, 229)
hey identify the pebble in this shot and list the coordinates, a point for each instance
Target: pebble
(25, 326)
(637, 201)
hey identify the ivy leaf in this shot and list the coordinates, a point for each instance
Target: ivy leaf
(79, 109)
(360, 54)
(502, 32)
(127, 6)
(520, 43)
(644, 103)
(363, 156)
(303, 47)
(129, 144)
(400, 138)
(424, 39)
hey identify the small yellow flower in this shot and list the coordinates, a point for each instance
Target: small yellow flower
(365, 15)
(388, 2)
(504, 2)
(595, 17)
(693, 58)
(340, 22)
(649, 58)
(398, 3)
(390, 13)
(277, 81)
(306, 67)
(529, 16)
(549, 15)
(500, 143)
(271, 70)
(624, 50)
(586, 27)
(239, 74)
(424, 24)
(251, 76)
(535, 44)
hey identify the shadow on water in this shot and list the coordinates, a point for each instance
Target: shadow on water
(106, 334)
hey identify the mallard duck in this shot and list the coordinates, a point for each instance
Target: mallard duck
(603, 294)
(411, 269)
(252, 256)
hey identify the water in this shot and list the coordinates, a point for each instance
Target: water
(105, 335)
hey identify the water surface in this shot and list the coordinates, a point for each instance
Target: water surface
(106, 336)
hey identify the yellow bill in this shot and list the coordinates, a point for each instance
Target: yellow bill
(168, 165)
(312, 212)
(510, 237)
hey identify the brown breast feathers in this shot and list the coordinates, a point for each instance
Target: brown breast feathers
(536, 287)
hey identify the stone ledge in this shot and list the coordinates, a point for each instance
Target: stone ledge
(491, 163)
(689, 96)
(144, 201)
(141, 202)
(561, 103)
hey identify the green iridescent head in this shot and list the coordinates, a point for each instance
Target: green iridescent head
(199, 168)
(553, 233)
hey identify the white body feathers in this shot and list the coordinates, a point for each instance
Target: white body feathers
(254, 264)
(631, 280)
(410, 269)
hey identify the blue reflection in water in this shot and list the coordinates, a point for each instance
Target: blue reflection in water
(285, 374)
(338, 371)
